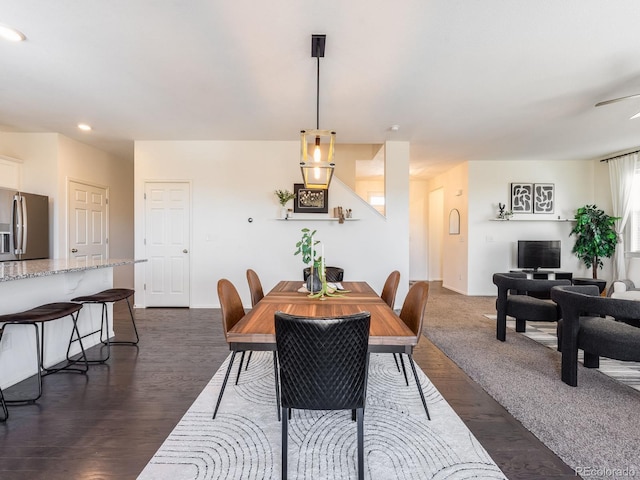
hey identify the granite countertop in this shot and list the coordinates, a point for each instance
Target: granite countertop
(20, 269)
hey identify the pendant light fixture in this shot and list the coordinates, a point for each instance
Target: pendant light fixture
(316, 172)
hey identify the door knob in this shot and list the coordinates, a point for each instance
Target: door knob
(185, 251)
(74, 250)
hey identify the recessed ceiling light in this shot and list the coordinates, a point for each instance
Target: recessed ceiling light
(84, 127)
(11, 34)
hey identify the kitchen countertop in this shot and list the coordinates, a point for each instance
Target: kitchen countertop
(20, 269)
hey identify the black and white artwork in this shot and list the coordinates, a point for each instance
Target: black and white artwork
(543, 197)
(310, 200)
(522, 198)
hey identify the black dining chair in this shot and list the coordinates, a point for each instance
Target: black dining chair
(334, 274)
(232, 313)
(323, 366)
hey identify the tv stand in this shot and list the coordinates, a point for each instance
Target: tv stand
(546, 274)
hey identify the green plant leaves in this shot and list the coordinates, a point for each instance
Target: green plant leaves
(596, 237)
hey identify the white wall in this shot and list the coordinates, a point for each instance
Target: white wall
(49, 160)
(80, 162)
(492, 245)
(419, 231)
(232, 181)
(455, 268)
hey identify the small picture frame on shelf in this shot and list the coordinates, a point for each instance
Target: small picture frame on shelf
(310, 200)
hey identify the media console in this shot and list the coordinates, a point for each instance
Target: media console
(546, 274)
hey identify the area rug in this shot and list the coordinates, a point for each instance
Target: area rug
(545, 334)
(243, 442)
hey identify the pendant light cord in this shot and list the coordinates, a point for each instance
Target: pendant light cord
(318, 96)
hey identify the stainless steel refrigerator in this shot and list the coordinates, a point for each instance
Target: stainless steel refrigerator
(24, 225)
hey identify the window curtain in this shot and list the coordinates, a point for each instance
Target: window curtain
(621, 175)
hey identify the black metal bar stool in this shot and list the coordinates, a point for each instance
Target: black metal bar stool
(41, 315)
(111, 295)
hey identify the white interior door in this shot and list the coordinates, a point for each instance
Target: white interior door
(88, 226)
(167, 240)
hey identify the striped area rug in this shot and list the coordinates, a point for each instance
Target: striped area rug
(243, 442)
(545, 333)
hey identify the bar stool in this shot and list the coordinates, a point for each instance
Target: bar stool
(41, 315)
(111, 295)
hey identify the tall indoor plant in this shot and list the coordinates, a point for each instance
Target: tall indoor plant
(596, 236)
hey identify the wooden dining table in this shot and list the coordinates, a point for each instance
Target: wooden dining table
(256, 331)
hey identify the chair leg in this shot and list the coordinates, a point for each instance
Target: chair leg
(404, 371)
(395, 359)
(521, 325)
(135, 329)
(360, 415)
(415, 376)
(224, 383)
(591, 360)
(26, 401)
(104, 319)
(240, 367)
(4, 407)
(277, 381)
(246, 367)
(70, 362)
(285, 424)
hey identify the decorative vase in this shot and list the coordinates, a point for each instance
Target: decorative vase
(314, 284)
(283, 212)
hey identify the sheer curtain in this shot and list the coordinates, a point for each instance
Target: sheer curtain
(621, 174)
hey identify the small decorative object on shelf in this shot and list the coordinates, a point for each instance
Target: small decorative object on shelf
(339, 214)
(502, 213)
(283, 198)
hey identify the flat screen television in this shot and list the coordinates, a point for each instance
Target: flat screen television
(535, 254)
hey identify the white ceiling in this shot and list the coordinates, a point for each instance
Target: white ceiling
(464, 79)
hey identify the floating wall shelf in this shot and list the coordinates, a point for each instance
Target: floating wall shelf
(532, 220)
(312, 219)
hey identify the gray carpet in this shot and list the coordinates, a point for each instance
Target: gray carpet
(595, 425)
(243, 442)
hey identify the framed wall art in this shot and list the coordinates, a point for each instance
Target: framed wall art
(522, 197)
(310, 200)
(543, 197)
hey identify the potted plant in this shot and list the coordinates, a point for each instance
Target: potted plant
(306, 248)
(283, 198)
(596, 236)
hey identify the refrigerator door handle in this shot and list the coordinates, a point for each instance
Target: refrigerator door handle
(25, 225)
(17, 224)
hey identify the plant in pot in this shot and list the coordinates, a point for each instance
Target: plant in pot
(596, 236)
(283, 198)
(307, 248)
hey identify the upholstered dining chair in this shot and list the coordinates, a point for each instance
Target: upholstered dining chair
(323, 366)
(412, 314)
(255, 287)
(390, 288)
(232, 313)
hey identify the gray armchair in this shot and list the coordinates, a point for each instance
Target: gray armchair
(514, 300)
(600, 326)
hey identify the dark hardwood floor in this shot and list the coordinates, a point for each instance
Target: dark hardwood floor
(108, 424)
